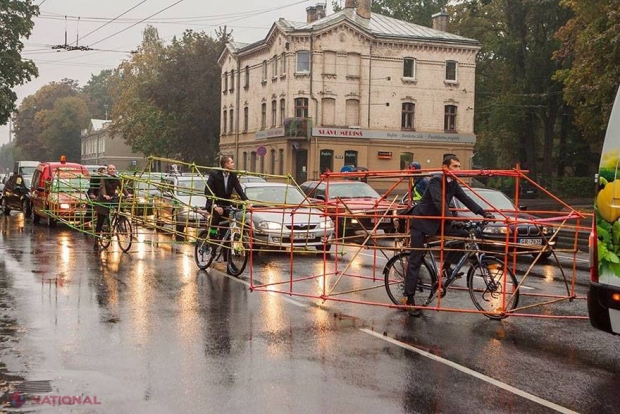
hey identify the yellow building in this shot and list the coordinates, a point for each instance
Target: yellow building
(354, 88)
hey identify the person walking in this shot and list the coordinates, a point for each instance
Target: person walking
(434, 204)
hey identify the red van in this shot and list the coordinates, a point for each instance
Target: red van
(58, 192)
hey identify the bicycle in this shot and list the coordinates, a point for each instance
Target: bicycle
(486, 276)
(117, 225)
(234, 245)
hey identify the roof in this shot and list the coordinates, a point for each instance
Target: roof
(378, 25)
(99, 124)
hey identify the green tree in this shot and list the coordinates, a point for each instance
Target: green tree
(62, 127)
(590, 44)
(98, 91)
(15, 23)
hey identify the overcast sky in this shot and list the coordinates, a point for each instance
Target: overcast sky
(114, 28)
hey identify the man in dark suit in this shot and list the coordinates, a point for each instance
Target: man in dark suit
(220, 186)
(433, 203)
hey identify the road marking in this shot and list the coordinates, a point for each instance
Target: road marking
(471, 372)
(286, 299)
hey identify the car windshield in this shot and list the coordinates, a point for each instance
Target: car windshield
(496, 199)
(275, 195)
(192, 186)
(27, 182)
(68, 182)
(351, 190)
(27, 170)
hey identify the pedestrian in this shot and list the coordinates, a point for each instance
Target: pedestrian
(434, 204)
(219, 189)
(109, 189)
(419, 183)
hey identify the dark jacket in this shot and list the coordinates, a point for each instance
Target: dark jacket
(109, 186)
(432, 201)
(216, 193)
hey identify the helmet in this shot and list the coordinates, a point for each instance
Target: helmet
(415, 166)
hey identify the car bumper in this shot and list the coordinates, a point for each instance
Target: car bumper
(318, 237)
(604, 312)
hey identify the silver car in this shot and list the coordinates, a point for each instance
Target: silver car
(282, 217)
(177, 201)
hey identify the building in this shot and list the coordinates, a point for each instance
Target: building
(353, 88)
(99, 148)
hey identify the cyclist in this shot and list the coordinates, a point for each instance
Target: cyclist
(108, 194)
(433, 203)
(219, 188)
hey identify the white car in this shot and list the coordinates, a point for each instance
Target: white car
(177, 199)
(281, 216)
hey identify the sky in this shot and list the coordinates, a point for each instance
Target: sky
(114, 28)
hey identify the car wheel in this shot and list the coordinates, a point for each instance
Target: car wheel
(545, 255)
(51, 222)
(36, 219)
(26, 209)
(326, 247)
(5, 208)
(180, 233)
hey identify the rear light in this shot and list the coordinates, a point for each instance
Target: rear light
(615, 297)
(593, 252)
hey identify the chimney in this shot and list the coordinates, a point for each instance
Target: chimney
(311, 14)
(349, 4)
(320, 10)
(440, 21)
(363, 8)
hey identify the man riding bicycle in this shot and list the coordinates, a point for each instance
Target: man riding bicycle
(108, 197)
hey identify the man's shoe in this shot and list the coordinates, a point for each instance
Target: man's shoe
(412, 311)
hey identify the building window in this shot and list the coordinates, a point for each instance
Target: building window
(352, 112)
(263, 115)
(283, 65)
(407, 116)
(301, 107)
(232, 80)
(282, 110)
(274, 68)
(326, 160)
(281, 161)
(247, 77)
(245, 160)
(246, 116)
(262, 164)
(406, 158)
(232, 121)
(353, 64)
(274, 113)
(303, 61)
(451, 71)
(225, 83)
(253, 161)
(449, 122)
(272, 164)
(329, 62)
(409, 68)
(264, 71)
(329, 112)
(350, 158)
(224, 122)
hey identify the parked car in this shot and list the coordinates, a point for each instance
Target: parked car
(144, 187)
(353, 205)
(16, 195)
(58, 191)
(251, 179)
(176, 199)
(529, 234)
(283, 217)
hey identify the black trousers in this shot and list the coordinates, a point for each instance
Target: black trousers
(417, 255)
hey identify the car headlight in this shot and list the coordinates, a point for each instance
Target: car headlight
(269, 225)
(65, 206)
(548, 230)
(495, 230)
(327, 224)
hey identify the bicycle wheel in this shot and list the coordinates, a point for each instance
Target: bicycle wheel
(203, 250)
(124, 233)
(394, 276)
(105, 237)
(238, 253)
(486, 287)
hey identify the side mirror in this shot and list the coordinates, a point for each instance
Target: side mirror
(522, 208)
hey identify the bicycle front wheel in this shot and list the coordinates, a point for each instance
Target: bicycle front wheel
(124, 233)
(493, 288)
(238, 254)
(105, 237)
(394, 274)
(203, 250)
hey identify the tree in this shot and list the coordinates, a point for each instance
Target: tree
(62, 127)
(15, 23)
(98, 91)
(590, 45)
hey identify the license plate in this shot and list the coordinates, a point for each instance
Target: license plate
(530, 241)
(382, 220)
(303, 236)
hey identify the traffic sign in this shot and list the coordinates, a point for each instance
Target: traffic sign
(261, 150)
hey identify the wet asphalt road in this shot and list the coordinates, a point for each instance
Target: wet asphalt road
(148, 332)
